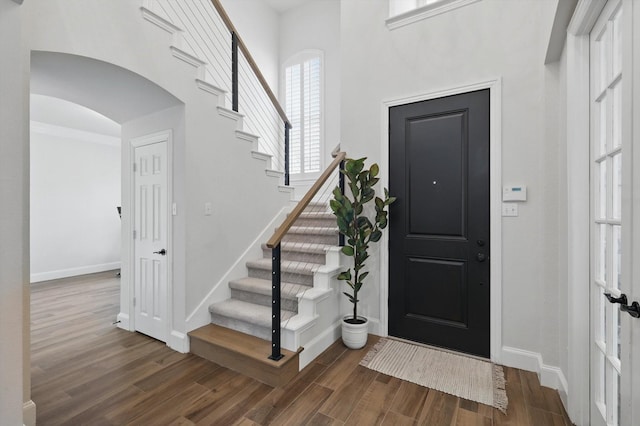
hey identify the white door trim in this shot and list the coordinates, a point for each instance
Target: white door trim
(162, 136)
(578, 206)
(495, 88)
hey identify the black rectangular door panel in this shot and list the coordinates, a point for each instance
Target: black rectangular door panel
(439, 289)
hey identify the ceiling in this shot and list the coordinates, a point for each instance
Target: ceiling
(283, 5)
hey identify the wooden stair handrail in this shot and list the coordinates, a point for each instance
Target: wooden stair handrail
(299, 208)
(252, 63)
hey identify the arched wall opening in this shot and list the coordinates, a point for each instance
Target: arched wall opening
(138, 107)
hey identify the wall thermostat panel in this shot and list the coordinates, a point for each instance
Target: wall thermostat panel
(514, 193)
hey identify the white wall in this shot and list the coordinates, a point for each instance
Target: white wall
(316, 25)
(14, 214)
(75, 189)
(217, 166)
(258, 25)
(480, 42)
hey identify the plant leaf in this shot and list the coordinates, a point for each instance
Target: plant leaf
(348, 250)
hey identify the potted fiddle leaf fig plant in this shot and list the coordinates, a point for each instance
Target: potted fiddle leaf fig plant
(360, 228)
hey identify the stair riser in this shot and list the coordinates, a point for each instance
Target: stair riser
(299, 256)
(325, 223)
(286, 277)
(261, 299)
(312, 238)
(241, 326)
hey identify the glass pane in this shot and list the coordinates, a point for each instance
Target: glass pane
(617, 186)
(612, 411)
(602, 127)
(615, 344)
(617, 42)
(603, 48)
(601, 261)
(616, 266)
(600, 328)
(601, 208)
(616, 118)
(603, 378)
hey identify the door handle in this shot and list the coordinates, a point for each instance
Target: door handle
(633, 309)
(162, 252)
(621, 300)
(481, 257)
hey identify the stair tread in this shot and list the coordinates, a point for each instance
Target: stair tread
(317, 230)
(236, 341)
(248, 312)
(317, 214)
(292, 266)
(315, 248)
(260, 286)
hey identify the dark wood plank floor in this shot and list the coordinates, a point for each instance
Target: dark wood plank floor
(85, 371)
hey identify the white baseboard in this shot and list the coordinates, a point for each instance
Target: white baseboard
(29, 413)
(550, 376)
(72, 272)
(178, 342)
(123, 321)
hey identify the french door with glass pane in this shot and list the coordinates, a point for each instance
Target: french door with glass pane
(607, 149)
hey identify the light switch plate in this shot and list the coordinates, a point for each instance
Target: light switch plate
(509, 209)
(208, 209)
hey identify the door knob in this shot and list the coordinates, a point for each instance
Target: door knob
(162, 252)
(633, 309)
(481, 257)
(621, 300)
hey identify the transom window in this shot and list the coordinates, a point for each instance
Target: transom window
(303, 104)
(404, 12)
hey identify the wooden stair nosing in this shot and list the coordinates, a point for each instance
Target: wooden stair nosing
(244, 353)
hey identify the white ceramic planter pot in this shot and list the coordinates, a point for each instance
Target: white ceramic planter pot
(354, 336)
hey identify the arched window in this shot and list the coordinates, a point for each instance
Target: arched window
(303, 81)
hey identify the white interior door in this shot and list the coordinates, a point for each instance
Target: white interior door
(608, 224)
(150, 236)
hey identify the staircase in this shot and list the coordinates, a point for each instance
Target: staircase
(240, 333)
(306, 256)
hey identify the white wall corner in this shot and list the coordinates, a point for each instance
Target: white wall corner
(29, 411)
(178, 342)
(549, 376)
(558, 34)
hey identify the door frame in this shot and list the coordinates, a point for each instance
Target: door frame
(128, 281)
(495, 202)
(579, 206)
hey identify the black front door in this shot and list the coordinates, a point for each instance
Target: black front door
(439, 225)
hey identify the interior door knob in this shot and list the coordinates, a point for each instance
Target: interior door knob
(621, 300)
(162, 252)
(633, 309)
(481, 257)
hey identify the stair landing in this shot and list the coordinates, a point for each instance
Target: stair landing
(244, 353)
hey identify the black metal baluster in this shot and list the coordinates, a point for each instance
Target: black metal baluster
(287, 127)
(341, 184)
(275, 304)
(234, 71)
